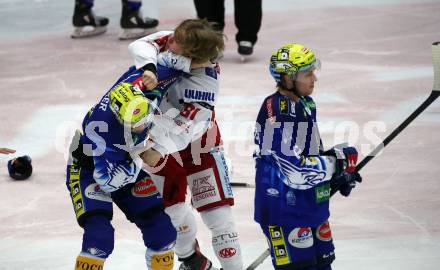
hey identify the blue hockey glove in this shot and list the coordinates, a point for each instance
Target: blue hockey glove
(346, 156)
(346, 182)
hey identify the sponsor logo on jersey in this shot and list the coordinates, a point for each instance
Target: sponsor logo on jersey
(322, 193)
(144, 188)
(276, 233)
(272, 192)
(284, 106)
(323, 232)
(290, 198)
(86, 263)
(292, 108)
(301, 237)
(225, 239)
(75, 189)
(199, 95)
(279, 245)
(94, 192)
(202, 188)
(331, 255)
(223, 169)
(79, 207)
(96, 252)
(227, 252)
(163, 261)
(211, 72)
(269, 109)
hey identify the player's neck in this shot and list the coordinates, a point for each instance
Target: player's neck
(288, 93)
(201, 65)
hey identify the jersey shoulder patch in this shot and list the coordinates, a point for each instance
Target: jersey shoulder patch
(211, 72)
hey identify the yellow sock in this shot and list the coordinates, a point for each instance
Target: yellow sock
(89, 263)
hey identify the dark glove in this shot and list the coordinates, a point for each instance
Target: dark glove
(346, 182)
(346, 156)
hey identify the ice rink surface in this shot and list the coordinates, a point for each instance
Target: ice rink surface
(376, 70)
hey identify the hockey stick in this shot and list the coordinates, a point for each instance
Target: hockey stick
(241, 184)
(435, 93)
(432, 97)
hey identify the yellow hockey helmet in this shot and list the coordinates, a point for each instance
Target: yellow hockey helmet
(291, 59)
(129, 104)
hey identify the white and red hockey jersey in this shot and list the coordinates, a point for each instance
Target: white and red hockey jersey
(188, 108)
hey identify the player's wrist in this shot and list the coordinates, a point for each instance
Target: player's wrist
(149, 67)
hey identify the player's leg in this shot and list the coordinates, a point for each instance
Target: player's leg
(159, 237)
(247, 15)
(212, 197)
(85, 22)
(142, 204)
(290, 247)
(325, 250)
(213, 11)
(93, 209)
(225, 241)
(187, 248)
(132, 23)
(171, 180)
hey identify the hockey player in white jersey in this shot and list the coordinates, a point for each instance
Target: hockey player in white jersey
(187, 137)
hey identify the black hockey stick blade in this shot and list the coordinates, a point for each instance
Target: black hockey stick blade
(241, 184)
(432, 97)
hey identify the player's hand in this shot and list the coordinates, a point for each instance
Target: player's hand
(151, 157)
(346, 182)
(149, 79)
(6, 151)
(347, 157)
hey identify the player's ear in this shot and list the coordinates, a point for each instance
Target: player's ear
(285, 79)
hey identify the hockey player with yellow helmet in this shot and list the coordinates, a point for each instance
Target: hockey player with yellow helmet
(105, 167)
(293, 173)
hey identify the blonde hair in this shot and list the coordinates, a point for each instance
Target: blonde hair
(198, 40)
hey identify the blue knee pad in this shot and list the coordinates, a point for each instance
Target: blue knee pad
(98, 237)
(157, 230)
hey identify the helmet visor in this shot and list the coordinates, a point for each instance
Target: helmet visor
(315, 65)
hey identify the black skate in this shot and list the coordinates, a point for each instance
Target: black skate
(86, 23)
(245, 48)
(132, 24)
(197, 261)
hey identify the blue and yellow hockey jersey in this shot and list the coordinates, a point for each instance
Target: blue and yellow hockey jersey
(110, 146)
(292, 175)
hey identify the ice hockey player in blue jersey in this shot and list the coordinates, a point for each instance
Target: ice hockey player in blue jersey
(105, 167)
(294, 175)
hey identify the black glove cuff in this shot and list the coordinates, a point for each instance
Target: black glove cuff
(151, 67)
